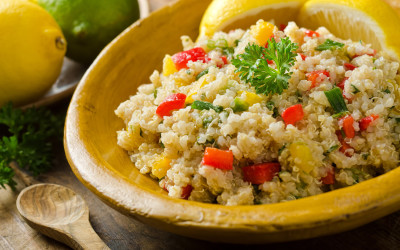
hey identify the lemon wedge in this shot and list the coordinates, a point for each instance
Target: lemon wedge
(226, 15)
(371, 21)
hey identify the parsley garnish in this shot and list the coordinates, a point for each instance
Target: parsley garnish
(329, 44)
(26, 140)
(200, 105)
(254, 69)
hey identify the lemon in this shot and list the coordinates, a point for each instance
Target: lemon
(372, 21)
(226, 15)
(32, 48)
(89, 25)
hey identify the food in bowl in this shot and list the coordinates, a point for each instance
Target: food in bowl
(264, 116)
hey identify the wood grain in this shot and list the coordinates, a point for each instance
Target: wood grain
(61, 214)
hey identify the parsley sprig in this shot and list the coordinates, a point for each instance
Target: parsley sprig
(26, 139)
(254, 69)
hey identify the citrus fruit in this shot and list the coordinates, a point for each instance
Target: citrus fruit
(32, 49)
(232, 14)
(89, 25)
(372, 21)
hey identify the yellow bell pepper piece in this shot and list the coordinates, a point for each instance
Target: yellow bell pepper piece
(168, 66)
(262, 31)
(250, 97)
(160, 166)
(302, 156)
(201, 83)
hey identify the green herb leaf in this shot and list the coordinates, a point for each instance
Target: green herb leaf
(201, 105)
(202, 73)
(356, 90)
(387, 91)
(331, 149)
(27, 140)
(254, 69)
(336, 100)
(271, 106)
(329, 44)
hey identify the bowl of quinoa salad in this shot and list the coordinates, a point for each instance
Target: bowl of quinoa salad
(264, 115)
(214, 148)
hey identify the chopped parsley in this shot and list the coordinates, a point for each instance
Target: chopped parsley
(254, 69)
(356, 90)
(336, 100)
(202, 73)
(329, 45)
(201, 105)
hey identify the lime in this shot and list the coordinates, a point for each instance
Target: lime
(89, 25)
(32, 52)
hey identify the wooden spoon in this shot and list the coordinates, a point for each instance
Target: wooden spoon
(59, 213)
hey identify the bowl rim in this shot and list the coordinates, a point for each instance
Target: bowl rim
(376, 197)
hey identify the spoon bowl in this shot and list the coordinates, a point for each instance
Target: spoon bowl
(59, 213)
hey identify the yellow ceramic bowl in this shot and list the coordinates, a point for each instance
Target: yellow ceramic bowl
(92, 151)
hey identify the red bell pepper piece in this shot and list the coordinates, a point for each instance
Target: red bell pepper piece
(182, 58)
(311, 33)
(366, 121)
(348, 126)
(370, 54)
(312, 76)
(344, 145)
(349, 66)
(217, 158)
(186, 191)
(293, 114)
(282, 26)
(172, 102)
(329, 178)
(303, 57)
(341, 84)
(224, 60)
(260, 173)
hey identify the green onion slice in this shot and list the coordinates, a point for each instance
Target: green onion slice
(336, 100)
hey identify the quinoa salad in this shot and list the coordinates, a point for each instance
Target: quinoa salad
(265, 115)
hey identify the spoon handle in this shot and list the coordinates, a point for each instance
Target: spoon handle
(80, 235)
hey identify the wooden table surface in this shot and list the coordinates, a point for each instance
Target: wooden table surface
(121, 232)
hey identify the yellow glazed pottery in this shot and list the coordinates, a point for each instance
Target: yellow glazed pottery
(92, 151)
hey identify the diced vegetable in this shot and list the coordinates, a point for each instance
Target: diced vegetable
(168, 66)
(260, 173)
(262, 31)
(341, 84)
(302, 155)
(347, 123)
(182, 58)
(329, 178)
(366, 121)
(200, 105)
(196, 88)
(314, 75)
(172, 102)
(370, 54)
(186, 191)
(329, 44)
(160, 166)
(239, 105)
(336, 100)
(311, 33)
(344, 146)
(303, 57)
(271, 106)
(202, 73)
(293, 114)
(349, 66)
(282, 26)
(217, 158)
(251, 98)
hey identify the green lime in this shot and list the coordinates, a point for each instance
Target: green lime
(89, 25)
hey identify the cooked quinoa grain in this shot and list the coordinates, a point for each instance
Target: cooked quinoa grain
(206, 135)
